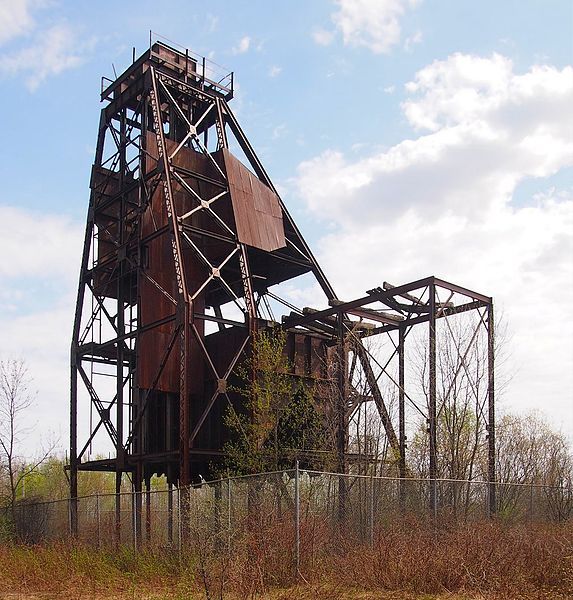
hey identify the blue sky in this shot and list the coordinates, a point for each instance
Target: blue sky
(438, 135)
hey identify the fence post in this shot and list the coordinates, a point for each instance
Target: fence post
(148, 513)
(179, 517)
(371, 536)
(170, 513)
(70, 526)
(229, 513)
(98, 522)
(134, 518)
(531, 502)
(297, 517)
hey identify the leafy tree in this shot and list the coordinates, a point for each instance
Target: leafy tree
(278, 421)
(301, 432)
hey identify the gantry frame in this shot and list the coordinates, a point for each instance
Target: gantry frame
(398, 310)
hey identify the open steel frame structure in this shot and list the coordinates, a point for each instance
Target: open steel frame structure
(184, 255)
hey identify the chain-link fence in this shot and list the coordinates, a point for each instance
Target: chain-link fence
(299, 512)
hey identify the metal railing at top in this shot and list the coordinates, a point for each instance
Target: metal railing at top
(192, 66)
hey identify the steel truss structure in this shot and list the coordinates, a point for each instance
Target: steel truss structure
(394, 312)
(184, 255)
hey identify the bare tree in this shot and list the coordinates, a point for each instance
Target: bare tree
(461, 399)
(531, 453)
(461, 382)
(16, 398)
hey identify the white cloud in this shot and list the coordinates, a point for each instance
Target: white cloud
(373, 24)
(38, 279)
(15, 19)
(212, 23)
(42, 339)
(57, 50)
(466, 88)
(243, 45)
(279, 131)
(323, 37)
(275, 71)
(487, 133)
(38, 245)
(523, 257)
(412, 40)
(48, 50)
(443, 204)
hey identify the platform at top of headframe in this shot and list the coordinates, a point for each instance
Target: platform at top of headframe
(181, 63)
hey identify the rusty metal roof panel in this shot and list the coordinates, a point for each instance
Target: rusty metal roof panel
(257, 209)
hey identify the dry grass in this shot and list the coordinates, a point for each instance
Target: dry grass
(481, 560)
(411, 561)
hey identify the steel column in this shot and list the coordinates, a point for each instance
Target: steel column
(432, 425)
(341, 420)
(401, 416)
(491, 411)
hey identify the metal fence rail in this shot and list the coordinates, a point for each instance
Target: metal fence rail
(307, 509)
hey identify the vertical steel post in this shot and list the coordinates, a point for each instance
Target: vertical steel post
(137, 505)
(184, 396)
(75, 359)
(117, 508)
(491, 411)
(120, 327)
(371, 520)
(432, 401)
(148, 511)
(69, 504)
(217, 515)
(170, 513)
(229, 513)
(73, 442)
(184, 312)
(297, 517)
(401, 417)
(134, 537)
(179, 520)
(341, 417)
(98, 521)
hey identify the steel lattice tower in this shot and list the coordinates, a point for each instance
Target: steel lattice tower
(184, 248)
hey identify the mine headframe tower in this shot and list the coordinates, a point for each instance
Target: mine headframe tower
(184, 255)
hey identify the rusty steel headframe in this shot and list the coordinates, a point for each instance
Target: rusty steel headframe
(184, 252)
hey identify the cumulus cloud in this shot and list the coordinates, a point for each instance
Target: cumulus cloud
(279, 131)
(323, 37)
(243, 45)
(38, 279)
(15, 19)
(48, 50)
(488, 130)
(212, 23)
(443, 203)
(373, 24)
(38, 245)
(275, 71)
(57, 49)
(413, 40)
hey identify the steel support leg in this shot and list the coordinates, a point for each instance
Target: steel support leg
(432, 401)
(491, 412)
(401, 418)
(341, 419)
